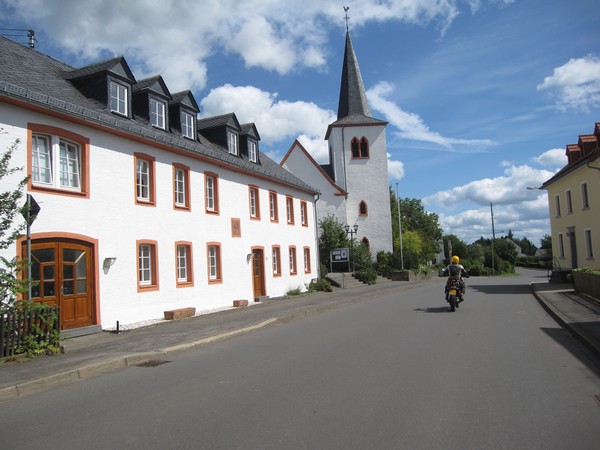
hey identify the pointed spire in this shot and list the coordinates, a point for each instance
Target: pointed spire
(353, 99)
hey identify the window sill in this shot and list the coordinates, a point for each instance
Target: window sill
(58, 191)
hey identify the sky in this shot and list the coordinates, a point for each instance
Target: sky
(481, 96)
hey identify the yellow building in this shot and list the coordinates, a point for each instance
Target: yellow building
(574, 201)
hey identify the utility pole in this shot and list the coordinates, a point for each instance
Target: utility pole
(493, 236)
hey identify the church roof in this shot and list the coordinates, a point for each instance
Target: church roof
(353, 99)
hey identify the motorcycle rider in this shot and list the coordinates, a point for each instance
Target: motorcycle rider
(456, 271)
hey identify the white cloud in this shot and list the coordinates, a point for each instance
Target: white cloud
(275, 120)
(555, 158)
(259, 46)
(176, 38)
(508, 189)
(576, 84)
(526, 219)
(412, 127)
(395, 169)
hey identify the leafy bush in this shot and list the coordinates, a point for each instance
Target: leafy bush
(319, 284)
(368, 276)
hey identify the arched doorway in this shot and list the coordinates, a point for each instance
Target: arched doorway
(63, 274)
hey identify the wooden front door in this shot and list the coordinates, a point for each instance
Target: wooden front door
(258, 273)
(62, 274)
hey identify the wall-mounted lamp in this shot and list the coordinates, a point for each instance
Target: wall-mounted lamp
(108, 262)
(248, 257)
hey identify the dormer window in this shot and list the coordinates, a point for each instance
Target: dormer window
(118, 98)
(232, 143)
(188, 125)
(252, 151)
(157, 113)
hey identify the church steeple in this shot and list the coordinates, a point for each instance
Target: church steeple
(353, 99)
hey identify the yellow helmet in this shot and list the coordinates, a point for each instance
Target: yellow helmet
(455, 259)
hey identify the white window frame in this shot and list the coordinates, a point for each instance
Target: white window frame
(232, 143)
(188, 125)
(58, 157)
(143, 180)
(252, 151)
(306, 252)
(273, 210)
(585, 197)
(292, 258)
(209, 190)
(182, 263)
(145, 265)
(304, 213)
(180, 187)
(118, 98)
(254, 201)
(289, 209)
(589, 248)
(276, 255)
(213, 254)
(158, 115)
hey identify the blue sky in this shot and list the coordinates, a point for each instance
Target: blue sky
(481, 96)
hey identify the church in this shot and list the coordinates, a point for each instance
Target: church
(353, 185)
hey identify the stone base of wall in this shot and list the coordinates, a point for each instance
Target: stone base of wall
(238, 303)
(180, 313)
(409, 275)
(588, 283)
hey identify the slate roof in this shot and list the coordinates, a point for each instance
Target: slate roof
(353, 99)
(353, 108)
(32, 77)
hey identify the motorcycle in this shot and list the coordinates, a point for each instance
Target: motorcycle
(452, 293)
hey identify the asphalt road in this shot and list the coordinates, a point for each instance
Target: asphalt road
(390, 372)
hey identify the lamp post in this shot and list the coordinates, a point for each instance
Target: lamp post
(351, 231)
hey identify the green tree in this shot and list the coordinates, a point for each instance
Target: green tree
(459, 247)
(505, 251)
(332, 236)
(527, 247)
(546, 242)
(10, 229)
(415, 219)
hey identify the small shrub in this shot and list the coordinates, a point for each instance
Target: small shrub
(294, 291)
(368, 276)
(319, 284)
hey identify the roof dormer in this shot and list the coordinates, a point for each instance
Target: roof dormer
(183, 112)
(587, 142)
(108, 82)
(573, 153)
(222, 130)
(249, 138)
(151, 101)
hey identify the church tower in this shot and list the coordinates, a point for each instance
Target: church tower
(354, 185)
(358, 158)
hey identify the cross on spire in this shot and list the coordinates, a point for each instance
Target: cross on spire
(346, 17)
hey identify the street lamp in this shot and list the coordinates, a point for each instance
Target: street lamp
(351, 231)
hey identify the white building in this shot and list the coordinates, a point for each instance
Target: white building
(354, 184)
(144, 208)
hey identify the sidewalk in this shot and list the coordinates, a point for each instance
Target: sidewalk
(577, 313)
(92, 355)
